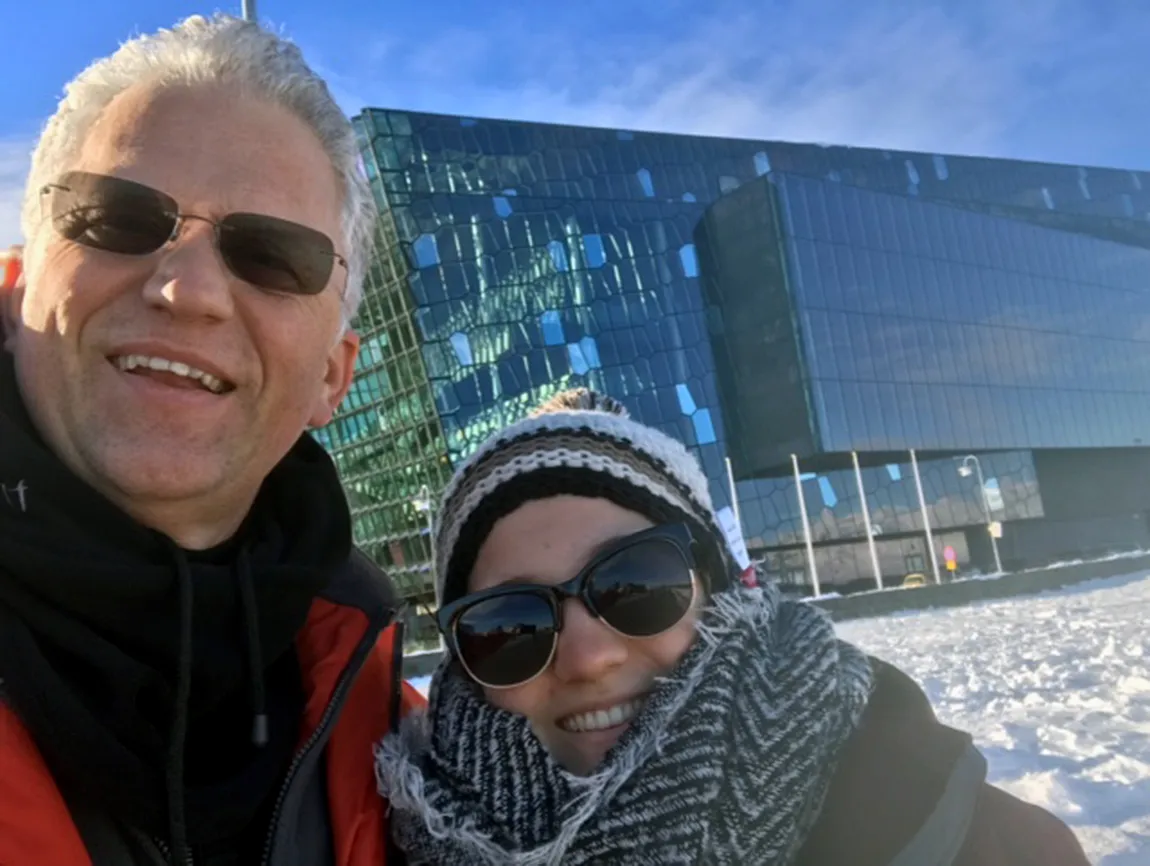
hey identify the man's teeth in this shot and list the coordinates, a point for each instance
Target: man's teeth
(127, 363)
(601, 720)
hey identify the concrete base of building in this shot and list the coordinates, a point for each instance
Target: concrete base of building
(962, 592)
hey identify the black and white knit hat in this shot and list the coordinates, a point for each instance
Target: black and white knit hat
(579, 443)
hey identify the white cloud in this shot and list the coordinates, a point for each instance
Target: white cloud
(973, 77)
(14, 163)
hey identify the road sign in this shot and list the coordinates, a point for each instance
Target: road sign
(993, 494)
(995, 530)
(949, 555)
(951, 565)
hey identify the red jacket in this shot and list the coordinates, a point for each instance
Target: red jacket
(349, 651)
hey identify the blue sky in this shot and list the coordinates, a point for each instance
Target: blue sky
(1057, 80)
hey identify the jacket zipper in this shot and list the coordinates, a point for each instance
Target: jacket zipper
(339, 695)
(166, 851)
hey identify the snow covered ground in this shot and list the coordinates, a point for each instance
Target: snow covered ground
(1056, 691)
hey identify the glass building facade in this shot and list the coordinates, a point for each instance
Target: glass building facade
(755, 300)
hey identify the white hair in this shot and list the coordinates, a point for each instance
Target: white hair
(220, 49)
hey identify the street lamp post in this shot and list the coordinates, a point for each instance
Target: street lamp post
(249, 10)
(965, 471)
(422, 502)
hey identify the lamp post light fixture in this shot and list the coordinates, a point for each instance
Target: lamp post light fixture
(965, 471)
(422, 503)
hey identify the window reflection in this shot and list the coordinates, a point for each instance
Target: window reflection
(426, 251)
(644, 177)
(689, 260)
(502, 205)
(461, 343)
(558, 254)
(552, 328)
(593, 249)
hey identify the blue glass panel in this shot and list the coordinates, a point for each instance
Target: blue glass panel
(762, 163)
(828, 492)
(467, 121)
(593, 249)
(462, 346)
(446, 400)
(575, 357)
(552, 328)
(558, 255)
(426, 251)
(912, 178)
(644, 177)
(940, 169)
(807, 476)
(689, 260)
(686, 401)
(624, 135)
(502, 205)
(590, 349)
(689, 197)
(704, 429)
(894, 471)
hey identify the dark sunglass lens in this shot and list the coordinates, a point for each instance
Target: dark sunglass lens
(275, 254)
(506, 640)
(112, 214)
(643, 589)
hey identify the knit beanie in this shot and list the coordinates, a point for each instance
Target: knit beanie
(578, 443)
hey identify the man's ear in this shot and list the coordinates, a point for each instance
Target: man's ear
(337, 379)
(11, 292)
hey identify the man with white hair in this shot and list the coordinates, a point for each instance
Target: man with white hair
(194, 660)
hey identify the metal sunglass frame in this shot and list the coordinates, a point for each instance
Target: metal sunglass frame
(169, 208)
(678, 535)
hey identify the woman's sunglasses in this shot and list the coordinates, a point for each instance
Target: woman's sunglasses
(640, 587)
(122, 216)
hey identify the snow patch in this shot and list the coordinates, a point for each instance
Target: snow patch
(1055, 689)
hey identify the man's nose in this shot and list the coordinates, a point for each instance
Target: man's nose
(587, 650)
(190, 280)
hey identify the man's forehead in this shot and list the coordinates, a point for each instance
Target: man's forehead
(210, 145)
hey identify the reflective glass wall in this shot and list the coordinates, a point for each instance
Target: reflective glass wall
(940, 328)
(519, 258)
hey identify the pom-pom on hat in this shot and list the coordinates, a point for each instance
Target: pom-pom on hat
(578, 443)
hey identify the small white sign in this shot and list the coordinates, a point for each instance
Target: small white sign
(994, 500)
(734, 533)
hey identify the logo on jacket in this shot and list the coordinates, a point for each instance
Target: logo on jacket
(14, 495)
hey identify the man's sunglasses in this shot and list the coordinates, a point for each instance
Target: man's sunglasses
(640, 587)
(121, 216)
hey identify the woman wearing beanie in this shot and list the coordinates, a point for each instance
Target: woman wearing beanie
(612, 694)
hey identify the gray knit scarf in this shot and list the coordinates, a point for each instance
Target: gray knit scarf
(728, 762)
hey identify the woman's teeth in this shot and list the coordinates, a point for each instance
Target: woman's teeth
(601, 720)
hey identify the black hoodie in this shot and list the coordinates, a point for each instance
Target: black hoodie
(160, 684)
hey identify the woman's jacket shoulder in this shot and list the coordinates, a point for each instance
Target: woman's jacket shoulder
(909, 791)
